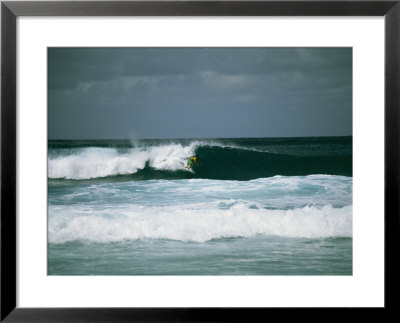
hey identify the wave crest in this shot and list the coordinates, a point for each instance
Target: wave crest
(102, 162)
(219, 160)
(197, 223)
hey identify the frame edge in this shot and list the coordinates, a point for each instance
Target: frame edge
(392, 152)
(8, 161)
(8, 309)
(203, 8)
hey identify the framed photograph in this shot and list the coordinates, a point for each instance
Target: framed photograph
(197, 161)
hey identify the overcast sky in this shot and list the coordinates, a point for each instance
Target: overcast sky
(105, 93)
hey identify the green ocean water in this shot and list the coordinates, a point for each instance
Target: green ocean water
(253, 206)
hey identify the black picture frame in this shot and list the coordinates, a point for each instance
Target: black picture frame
(10, 10)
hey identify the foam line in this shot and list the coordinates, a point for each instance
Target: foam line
(199, 223)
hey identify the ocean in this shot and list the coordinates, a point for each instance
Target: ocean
(253, 206)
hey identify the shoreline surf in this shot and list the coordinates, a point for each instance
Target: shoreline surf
(261, 206)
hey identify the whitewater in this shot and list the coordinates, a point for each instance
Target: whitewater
(101, 162)
(208, 210)
(95, 162)
(254, 206)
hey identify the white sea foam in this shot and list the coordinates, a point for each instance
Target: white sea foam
(195, 222)
(102, 162)
(279, 192)
(94, 162)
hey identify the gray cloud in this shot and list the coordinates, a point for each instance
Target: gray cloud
(187, 92)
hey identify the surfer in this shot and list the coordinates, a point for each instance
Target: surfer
(194, 160)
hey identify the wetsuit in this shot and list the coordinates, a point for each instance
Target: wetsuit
(192, 161)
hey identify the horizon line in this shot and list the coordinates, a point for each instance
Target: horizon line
(202, 138)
